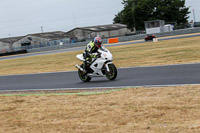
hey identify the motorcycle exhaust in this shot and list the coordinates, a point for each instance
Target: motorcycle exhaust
(78, 67)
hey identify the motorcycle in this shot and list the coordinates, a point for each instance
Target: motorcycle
(102, 65)
(149, 37)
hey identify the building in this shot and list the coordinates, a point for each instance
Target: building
(157, 26)
(6, 44)
(58, 37)
(14, 43)
(41, 38)
(103, 31)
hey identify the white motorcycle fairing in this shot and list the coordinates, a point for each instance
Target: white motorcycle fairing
(97, 63)
(100, 66)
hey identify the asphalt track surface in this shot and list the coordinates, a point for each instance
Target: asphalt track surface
(127, 77)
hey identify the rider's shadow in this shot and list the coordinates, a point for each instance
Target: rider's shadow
(97, 80)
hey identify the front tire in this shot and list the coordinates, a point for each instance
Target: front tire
(112, 75)
(83, 75)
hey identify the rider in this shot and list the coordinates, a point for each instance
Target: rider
(91, 50)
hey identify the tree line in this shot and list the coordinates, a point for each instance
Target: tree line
(135, 12)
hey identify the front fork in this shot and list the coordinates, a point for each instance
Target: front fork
(106, 65)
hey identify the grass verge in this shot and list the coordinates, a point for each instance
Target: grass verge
(160, 109)
(60, 92)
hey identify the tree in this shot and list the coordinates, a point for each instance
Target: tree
(135, 12)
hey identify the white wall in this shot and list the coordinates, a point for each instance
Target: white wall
(4, 46)
(168, 28)
(153, 30)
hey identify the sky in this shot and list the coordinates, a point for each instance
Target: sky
(22, 17)
(193, 4)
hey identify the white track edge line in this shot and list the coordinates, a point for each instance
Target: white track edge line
(114, 87)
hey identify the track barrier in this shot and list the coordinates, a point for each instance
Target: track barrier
(113, 40)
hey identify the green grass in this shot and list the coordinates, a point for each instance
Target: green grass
(177, 51)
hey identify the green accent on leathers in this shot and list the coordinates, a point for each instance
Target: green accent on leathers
(90, 47)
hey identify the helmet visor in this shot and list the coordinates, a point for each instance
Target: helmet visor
(98, 44)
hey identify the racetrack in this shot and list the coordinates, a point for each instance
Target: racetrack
(127, 77)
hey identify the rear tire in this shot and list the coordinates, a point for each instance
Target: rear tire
(83, 76)
(112, 75)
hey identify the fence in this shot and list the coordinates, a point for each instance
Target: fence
(120, 39)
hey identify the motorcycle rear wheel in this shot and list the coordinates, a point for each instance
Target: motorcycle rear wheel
(83, 75)
(112, 75)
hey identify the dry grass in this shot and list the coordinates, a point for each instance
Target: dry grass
(177, 51)
(145, 54)
(152, 110)
(38, 64)
(133, 110)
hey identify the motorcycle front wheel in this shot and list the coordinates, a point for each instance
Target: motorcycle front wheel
(83, 76)
(112, 75)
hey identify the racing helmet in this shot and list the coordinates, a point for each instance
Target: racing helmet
(98, 42)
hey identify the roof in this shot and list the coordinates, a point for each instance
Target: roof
(59, 34)
(153, 20)
(101, 27)
(50, 35)
(11, 39)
